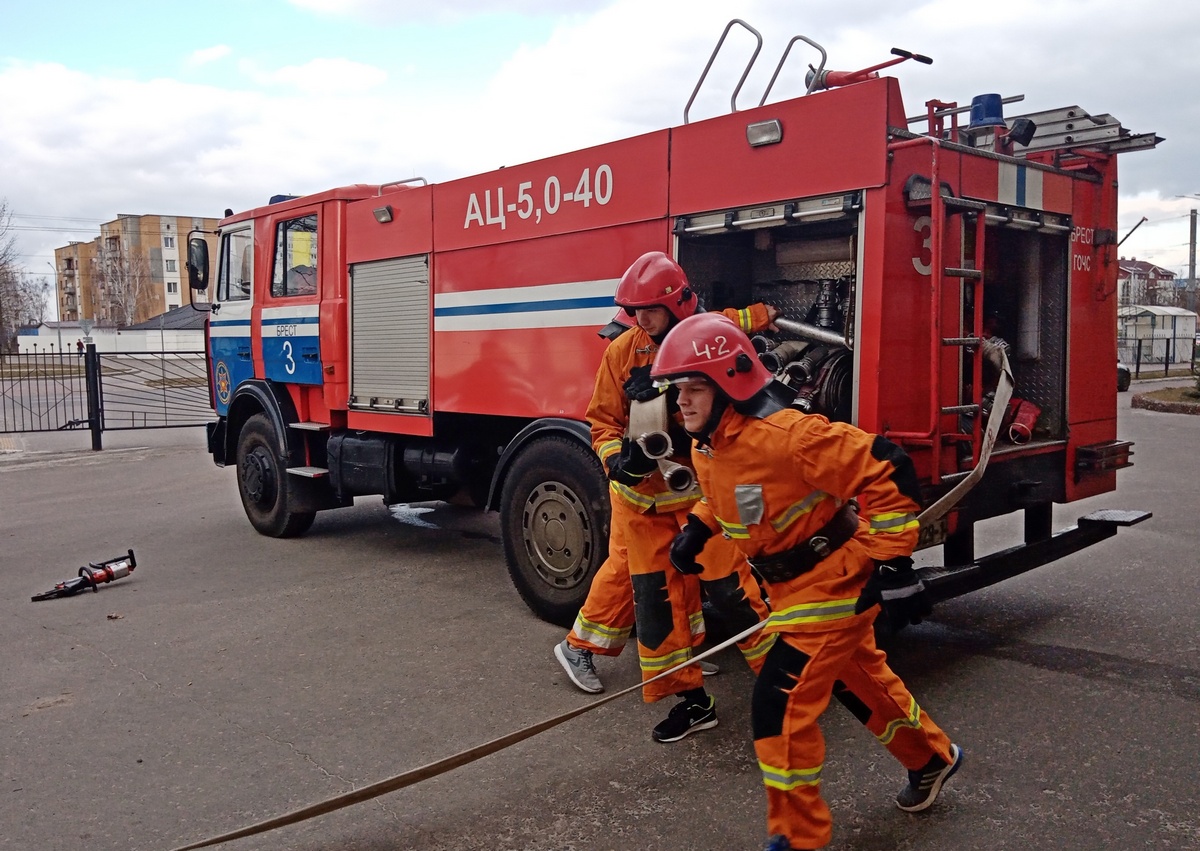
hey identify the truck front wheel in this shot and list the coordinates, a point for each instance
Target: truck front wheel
(554, 510)
(263, 482)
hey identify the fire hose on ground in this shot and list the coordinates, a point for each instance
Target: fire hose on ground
(433, 769)
(653, 432)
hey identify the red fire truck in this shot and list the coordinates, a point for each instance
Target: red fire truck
(439, 341)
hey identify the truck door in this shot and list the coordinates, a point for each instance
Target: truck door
(291, 347)
(229, 323)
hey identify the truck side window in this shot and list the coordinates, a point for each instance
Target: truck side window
(237, 266)
(295, 271)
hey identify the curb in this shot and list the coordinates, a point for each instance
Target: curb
(1148, 404)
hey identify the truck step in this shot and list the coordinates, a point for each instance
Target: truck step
(950, 581)
(307, 426)
(1116, 516)
(309, 472)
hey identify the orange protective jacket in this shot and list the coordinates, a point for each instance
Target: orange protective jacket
(608, 412)
(771, 484)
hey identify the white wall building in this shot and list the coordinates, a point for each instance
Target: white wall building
(177, 330)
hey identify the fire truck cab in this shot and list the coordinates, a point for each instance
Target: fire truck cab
(432, 342)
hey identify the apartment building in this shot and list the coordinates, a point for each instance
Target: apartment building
(135, 269)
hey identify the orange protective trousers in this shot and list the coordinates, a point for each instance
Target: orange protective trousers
(669, 616)
(803, 671)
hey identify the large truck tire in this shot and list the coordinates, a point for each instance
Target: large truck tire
(554, 520)
(263, 482)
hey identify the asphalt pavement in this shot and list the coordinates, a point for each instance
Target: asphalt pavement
(233, 678)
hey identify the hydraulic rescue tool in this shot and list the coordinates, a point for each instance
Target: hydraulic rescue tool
(92, 576)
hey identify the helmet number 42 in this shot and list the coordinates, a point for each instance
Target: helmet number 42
(707, 351)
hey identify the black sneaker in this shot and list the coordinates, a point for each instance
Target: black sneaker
(686, 718)
(924, 785)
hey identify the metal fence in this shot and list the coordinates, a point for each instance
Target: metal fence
(42, 392)
(55, 392)
(1153, 355)
(153, 390)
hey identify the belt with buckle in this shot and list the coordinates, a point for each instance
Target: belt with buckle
(785, 566)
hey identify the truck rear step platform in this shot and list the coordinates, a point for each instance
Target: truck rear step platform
(945, 583)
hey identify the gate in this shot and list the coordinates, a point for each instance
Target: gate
(153, 390)
(42, 392)
(103, 392)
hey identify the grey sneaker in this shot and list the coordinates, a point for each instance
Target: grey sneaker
(709, 669)
(579, 667)
(924, 785)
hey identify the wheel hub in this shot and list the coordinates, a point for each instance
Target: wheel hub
(555, 530)
(258, 476)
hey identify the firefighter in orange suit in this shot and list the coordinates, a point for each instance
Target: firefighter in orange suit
(783, 485)
(646, 517)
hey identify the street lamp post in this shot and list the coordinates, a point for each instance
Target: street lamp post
(1190, 298)
(57, 312)
(1191, 285)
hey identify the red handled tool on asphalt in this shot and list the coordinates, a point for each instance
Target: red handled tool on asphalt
(92, 576)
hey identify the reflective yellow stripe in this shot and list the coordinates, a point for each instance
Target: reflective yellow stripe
(828, 610)
(608, 448)
(608, 637)
(890, 524)
(745, 319)
(670, 498)
(752, 654)
(733, 530)
(696, 624)
(666, 499)
(788, 779)
(798, 509)
(630, 495)
(790, 515)
(913, 720)
(654, 664)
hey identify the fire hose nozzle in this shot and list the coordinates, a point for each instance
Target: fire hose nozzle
(656, 444)
(679, 479)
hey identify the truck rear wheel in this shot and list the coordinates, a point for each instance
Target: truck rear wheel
(555, 525)
(263, 482)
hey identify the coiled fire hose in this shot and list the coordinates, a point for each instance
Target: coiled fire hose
(648, 424)
(409, 778)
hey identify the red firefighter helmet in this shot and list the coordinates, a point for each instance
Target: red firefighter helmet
(619, 324)
(654, 280)
(713, 346)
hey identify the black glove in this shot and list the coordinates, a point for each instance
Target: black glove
(631, 464)
(688, 544)
(900, 593)
(639, 387)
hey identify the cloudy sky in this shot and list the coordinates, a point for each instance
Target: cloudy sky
(130, 106)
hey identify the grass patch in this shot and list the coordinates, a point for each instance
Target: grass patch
(1174, 394)
(1168, 400)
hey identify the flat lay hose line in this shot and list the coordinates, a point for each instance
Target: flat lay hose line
(433, 769)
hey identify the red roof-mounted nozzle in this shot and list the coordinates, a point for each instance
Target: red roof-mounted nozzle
(832, 79)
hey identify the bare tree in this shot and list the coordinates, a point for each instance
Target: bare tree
(121, 282)
(10, 315)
